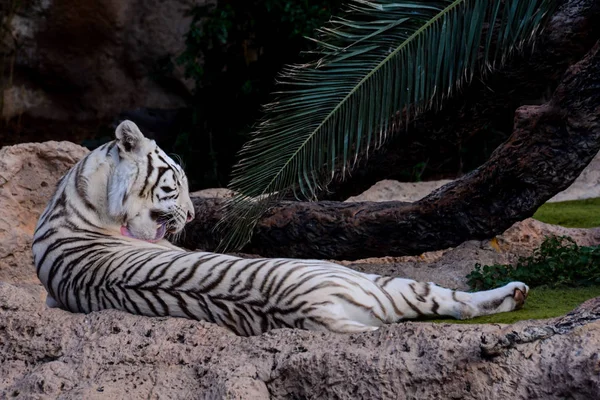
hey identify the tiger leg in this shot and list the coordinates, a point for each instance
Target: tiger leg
(418, 299)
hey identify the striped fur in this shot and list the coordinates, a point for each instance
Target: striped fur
(98, 245)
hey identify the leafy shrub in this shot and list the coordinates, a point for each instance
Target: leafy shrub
(558, 262)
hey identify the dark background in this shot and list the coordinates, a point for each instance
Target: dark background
(193, 75)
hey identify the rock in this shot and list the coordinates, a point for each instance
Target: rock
(586, 186)
(217, 193)
(523, 237)
(50, 353)
(390, 190)
(94, 59)
(28, 176)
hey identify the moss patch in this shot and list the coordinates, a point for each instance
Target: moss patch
(571, 214)
(541, 303)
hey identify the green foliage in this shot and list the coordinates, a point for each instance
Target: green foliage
(234, 50)
(378, 66)
(571, 214)
(558, 262)
(541, 303)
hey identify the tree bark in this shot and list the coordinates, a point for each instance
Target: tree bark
(461, 136)
(551, 144)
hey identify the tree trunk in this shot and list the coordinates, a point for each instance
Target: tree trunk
(551, 144)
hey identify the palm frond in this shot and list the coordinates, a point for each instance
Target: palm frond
(377, 67)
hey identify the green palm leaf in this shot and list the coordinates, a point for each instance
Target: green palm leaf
(378, 66)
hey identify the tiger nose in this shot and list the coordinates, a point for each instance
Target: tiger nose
(190, 216)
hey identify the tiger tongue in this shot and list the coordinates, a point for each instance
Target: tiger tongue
(160, 233)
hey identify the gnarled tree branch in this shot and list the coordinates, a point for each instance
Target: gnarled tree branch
(550, 146)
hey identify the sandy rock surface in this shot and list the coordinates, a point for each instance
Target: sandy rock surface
(586, 186)
(219, 193)
(28, 176)
(49, 353)
(390, 190)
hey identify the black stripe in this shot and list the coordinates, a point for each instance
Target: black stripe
(54, 246)
(81, 184)
(210, 286)
(165, 267)
(59, 203)
(136, 260)
(397, 311)
(161, 172)
(111, 146)
(243, 322)
(235, 281)
(381, 306)
(159, 299)
(79, 215)
(250, 280)
(320, 285)
(268, 275)
(455, 298)
(192, 270)
(295, 286)
(46, 235)
(315, 306)
(355, 303)
(289, 272)
(153, 309)
(435, 307)
(412, 306)
(125, 293)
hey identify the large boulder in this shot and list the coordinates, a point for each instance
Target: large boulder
(586, 186)
(391, 190)
(91, 60)
(28, 176)
(51, 353)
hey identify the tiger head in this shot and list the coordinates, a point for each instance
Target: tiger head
(147, 191)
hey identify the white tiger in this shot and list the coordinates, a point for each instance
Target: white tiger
(100, 244)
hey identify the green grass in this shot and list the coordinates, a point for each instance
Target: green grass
(571, 214)
(541, 303)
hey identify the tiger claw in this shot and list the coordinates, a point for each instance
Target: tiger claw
(519, 296)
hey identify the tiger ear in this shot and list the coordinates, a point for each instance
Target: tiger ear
(129, 137)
